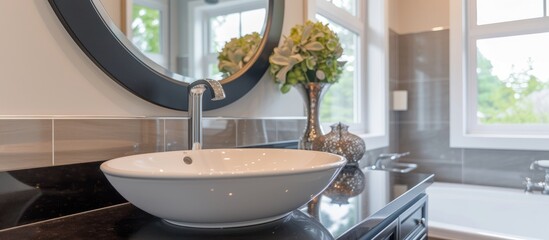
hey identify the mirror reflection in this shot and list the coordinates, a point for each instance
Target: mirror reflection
(195, 38)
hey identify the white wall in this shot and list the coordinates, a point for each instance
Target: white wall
(43, 72)
(412, 16)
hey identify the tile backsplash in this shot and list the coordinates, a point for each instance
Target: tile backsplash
(86, 140)
(32, 143)
(25, 143)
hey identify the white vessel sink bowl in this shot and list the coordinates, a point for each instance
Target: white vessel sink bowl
(222, 187)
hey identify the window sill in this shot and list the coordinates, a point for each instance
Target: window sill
(499, 141)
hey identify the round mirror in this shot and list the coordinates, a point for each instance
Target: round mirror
(158, 67)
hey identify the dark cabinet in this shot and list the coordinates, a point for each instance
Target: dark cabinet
(413, 222)
(410, 223)
(388, 233)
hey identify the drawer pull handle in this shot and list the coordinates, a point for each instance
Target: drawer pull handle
(423, 221)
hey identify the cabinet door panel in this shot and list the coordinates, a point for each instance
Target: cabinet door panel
(388, 233)
(413, 222)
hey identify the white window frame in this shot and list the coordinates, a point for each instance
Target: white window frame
(373, 31)
(199, 15)
(464, 130)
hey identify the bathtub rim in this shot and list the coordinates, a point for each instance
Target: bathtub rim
(452, 231)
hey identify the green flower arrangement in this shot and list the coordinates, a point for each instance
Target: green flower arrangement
(237, 52)
(309, 54)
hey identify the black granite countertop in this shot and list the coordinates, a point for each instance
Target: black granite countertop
(358, 202)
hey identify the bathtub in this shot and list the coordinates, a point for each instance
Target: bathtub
(458, 211)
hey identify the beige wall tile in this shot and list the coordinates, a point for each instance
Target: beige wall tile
(102, 139)
(25, 143)
(176, 134)
(216, 133)
(255, 131)
(219, 133)
(290, 129)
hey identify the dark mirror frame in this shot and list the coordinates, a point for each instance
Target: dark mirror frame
(110, 50)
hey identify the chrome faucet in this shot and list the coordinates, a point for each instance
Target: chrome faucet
(196, 91)
(387, 156)
(530, 186)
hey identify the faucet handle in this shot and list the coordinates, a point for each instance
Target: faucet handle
(215, 87)
(216, 90)
(528, 184)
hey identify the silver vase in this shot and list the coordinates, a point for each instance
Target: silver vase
(341, 142)
(312, 94)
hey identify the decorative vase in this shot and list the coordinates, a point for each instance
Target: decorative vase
(341, 142)
(312, 94)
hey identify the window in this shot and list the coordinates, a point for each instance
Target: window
(226, 25)
(186, 36)
(214, 25)
(359, 99)
(342, 99)
(499, 74)
(149, 29)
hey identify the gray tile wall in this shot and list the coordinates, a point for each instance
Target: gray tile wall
(31, 143)
(423, 70)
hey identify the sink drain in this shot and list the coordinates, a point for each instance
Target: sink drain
(188, 160)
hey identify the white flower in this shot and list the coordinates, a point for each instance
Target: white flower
(237, 52)
(308, 54)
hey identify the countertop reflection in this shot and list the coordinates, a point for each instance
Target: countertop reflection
(358, 199)
(355, 203)
(128, 222)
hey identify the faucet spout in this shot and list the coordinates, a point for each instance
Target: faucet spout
(196, 91)
(391, 156)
